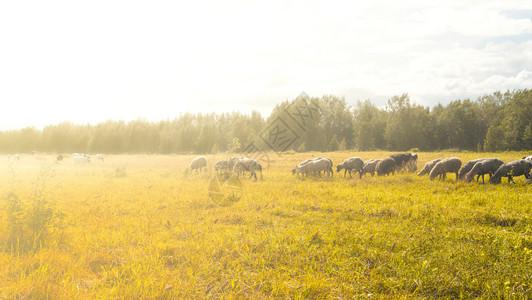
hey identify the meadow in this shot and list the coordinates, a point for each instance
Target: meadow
(141, 226)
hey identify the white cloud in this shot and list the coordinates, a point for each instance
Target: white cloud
(87, 62)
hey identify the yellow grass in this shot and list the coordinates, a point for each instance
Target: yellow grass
(140, 226)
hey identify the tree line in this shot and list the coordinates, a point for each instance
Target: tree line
(496, 122)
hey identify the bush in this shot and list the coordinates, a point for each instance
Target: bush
(29, 220)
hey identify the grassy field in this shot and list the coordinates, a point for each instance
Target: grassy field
(140, 226)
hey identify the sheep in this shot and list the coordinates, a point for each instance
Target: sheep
(198, 163)
(369, 166)
(100, 157)
(305, 171)
(297, 169)
(221, 166)
(15, 156)
(468, 166)
(405, 160)
(317, 165)
(80, 159)
(428, 166)
(512, 169)
(351, 164)
(233, 161)
(528, 158)
(386, 166)
(486, 166)
(329, 171)
(247, 164)
(447, 165)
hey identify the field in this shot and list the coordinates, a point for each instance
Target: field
(140, 226)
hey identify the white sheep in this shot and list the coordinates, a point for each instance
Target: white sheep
(297, 169)
(429, 166)
(100, 157)
(369, 166)
(447, 165)
(198, 163)
(15, 157)
(318, 165)
(81, 159)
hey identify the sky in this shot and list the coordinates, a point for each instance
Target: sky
(92, 61)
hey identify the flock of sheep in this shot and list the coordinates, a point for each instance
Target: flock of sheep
(238, 165)
(389, 165)
(494, 167)
(76, 157)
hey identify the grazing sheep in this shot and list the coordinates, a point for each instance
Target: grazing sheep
(300, 168)
(405, 160)
(233, 161)
(80, 159)
(512, 169)
(428, 166)
(318, 165)
(297, 169)
(447, 165)
(386, 166)
(15, 156)
(486, 166)
(250, 165)
(468, 166)
(369, 166)
(100, 157)
(198, 163)
(351, 164)
(222, 166)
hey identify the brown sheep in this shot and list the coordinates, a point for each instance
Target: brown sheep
(386, 166)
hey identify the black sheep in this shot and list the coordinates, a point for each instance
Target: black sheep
(403, 160)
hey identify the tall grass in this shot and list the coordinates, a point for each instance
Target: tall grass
(152, 232)
(29, 219)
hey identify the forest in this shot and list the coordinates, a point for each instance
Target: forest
(496, 122)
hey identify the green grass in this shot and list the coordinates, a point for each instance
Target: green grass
(139, 227)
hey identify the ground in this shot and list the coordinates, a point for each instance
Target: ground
(142, 226)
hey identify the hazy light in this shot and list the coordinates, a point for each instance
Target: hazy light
(92, 61)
